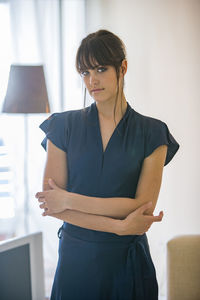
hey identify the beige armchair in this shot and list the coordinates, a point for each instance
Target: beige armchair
(183, 268)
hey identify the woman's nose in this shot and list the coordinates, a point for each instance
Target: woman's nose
(93, 79)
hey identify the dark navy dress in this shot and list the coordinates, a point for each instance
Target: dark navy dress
(95, 265)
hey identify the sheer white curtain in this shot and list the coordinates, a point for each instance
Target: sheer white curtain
(6, 175)
(48, 32)
(41, 32)
(5, 49)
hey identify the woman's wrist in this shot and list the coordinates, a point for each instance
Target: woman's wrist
(67, 200)
(119, 227)
(122, 228)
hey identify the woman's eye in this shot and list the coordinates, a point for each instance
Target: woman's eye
(84, 73)
(101, 69)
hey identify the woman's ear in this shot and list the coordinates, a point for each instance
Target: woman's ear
(124, 67)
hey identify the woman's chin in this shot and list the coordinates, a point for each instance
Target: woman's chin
(99, 99)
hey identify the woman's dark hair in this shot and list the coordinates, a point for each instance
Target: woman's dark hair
(103, 48)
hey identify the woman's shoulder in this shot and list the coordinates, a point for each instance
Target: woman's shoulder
(68, 115)
(61, 120)
(146, 120)
(155, 133)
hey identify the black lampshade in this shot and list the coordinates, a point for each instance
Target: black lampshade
(26, 91)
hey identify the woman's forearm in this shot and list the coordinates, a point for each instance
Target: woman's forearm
(90, 221)
(136, 222)
(116, 207)
(56, 200)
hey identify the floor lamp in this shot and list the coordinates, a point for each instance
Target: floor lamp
(26, 94)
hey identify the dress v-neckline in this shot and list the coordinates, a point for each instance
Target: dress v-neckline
(99, 129)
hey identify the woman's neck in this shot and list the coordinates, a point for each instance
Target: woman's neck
(107, 109)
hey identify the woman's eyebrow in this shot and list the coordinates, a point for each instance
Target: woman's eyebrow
(95, 67)
(92, 68)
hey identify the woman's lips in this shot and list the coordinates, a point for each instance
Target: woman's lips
(96, 90)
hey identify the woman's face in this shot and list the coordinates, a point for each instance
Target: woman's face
(101, 83)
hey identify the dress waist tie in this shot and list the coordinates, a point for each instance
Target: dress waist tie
(140, 267)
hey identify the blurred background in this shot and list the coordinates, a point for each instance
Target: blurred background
(163, 81)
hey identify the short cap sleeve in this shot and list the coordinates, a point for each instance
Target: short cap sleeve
(55, 130)
(158, 134)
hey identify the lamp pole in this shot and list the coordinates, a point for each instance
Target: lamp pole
(26, 186)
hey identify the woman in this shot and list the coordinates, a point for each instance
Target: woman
(102, 178)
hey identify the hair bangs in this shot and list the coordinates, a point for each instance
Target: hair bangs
(93, 53)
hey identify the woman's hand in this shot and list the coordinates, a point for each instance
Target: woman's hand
(53, 200)
(137, 223)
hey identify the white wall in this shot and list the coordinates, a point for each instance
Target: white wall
(163, 81)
